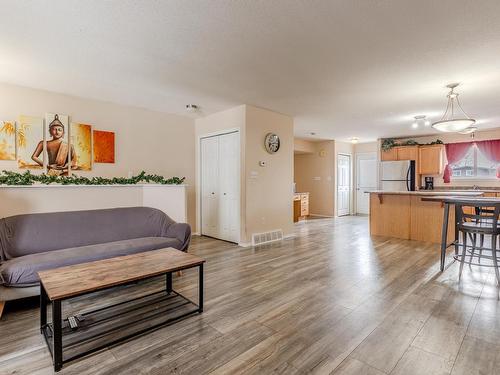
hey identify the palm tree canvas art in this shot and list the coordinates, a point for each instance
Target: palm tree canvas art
(7, 140)
(28, 135)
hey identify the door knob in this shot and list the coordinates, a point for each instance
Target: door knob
(213, 193)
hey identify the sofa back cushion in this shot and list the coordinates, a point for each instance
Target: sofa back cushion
(35, 233)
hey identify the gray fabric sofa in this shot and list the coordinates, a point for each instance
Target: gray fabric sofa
(33, 242)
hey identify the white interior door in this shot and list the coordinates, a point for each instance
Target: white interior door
(343, 184)
(209, 154)
(229, 187)
(366, 180)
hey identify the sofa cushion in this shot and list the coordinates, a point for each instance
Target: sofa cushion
(22, 235)
(22, 271)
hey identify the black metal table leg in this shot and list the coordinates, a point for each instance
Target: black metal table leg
(200, 286)
(57, 325)
(456, 229)
(169, 282)
(444, 234)
(43, 308)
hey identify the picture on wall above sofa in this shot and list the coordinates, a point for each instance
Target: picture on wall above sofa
(54, 144)
(7, 140)
(81, 140)
(57, 147)
(28, 135)
(104, 147)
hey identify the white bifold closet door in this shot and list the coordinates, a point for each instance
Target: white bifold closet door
(220, 186)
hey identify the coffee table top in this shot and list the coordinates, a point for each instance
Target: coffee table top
(83, 278)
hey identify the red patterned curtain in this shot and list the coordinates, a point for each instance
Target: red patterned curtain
(454, 152)
(491, 149)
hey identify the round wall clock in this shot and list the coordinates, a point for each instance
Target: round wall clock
(272, 143)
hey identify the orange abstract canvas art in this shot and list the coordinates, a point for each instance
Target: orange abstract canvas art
(104, 146)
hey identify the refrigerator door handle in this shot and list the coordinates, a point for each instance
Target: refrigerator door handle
(408, 179)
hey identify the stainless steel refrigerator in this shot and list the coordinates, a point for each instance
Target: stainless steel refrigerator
(398, 175)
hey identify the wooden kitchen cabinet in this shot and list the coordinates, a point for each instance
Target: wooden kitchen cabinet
(400, 153)
(407, 153)
(430, 159)
(301, 205)
(389, 155)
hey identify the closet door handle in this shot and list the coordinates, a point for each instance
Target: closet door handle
(224, 193)
(213, 193)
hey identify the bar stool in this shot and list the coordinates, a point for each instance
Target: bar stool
(483, 221)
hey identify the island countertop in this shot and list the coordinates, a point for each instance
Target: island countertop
(474, 193)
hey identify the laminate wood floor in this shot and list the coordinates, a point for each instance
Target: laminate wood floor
(331, 300)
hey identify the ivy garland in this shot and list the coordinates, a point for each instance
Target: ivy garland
(27, 178)
(389, 143)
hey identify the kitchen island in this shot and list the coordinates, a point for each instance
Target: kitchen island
(403, 214)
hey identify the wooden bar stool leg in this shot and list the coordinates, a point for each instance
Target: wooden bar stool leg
(464, 253)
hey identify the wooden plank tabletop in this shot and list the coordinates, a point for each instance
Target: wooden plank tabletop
(83, 278)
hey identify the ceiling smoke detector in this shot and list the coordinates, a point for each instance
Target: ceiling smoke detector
(192, 108)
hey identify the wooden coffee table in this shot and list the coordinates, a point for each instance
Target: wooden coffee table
(114, 323)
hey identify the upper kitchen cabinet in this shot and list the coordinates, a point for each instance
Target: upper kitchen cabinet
(407, 153)
(430, 159)
(391, 154)
(400, 153)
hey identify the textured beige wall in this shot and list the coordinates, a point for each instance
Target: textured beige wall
(315, 173)
(269, 190)
(366, 147)
(302, 146)
(145, 140)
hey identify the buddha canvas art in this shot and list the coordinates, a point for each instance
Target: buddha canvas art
(56, 144)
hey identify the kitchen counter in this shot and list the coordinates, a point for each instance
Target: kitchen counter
(407, 215)
(472, 193)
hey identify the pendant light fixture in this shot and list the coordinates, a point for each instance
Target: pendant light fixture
(451, 121)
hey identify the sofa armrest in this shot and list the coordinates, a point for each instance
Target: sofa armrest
(182, 232)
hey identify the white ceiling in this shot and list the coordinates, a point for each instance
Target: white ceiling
(351, 68)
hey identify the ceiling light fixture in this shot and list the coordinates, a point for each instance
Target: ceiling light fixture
(420, 119)
(354, 140)
(450, 122)
(192, 108)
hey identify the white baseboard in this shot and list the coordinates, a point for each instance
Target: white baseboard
(196, 234)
